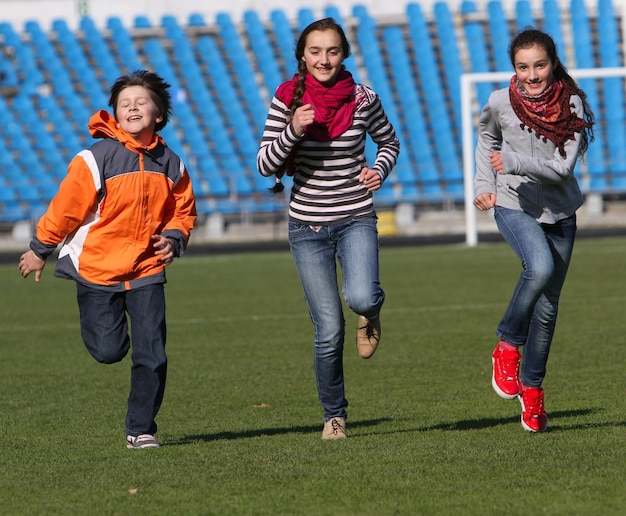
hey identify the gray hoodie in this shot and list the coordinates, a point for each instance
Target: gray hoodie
(536, 179)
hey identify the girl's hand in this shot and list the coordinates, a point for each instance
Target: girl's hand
(303, 117)
(485, 201)
(370, 179)
(497, 162)
(30, 262)
(163, 247)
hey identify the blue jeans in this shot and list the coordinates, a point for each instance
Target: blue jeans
(316, 251)
(545, 251)
(104, 328)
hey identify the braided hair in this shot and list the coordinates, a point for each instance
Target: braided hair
(296, 101)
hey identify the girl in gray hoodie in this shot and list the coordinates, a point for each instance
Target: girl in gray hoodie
(530, 136)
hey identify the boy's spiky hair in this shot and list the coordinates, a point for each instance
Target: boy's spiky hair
(154, 84)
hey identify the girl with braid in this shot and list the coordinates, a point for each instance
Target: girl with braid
(529, 138)
(315, 130)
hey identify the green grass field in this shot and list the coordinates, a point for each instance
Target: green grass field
(241, 424)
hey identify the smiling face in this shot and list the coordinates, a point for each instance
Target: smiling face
(323, 55)
(137, 114)
(534, 69)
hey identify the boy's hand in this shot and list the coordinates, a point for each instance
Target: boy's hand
(163, 246)
(30, 262)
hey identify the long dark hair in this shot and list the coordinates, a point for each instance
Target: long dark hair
(154, 84)
(531, 36)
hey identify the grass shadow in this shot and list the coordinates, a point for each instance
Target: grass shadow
(307, 429)
(453, 426)
(481, 423)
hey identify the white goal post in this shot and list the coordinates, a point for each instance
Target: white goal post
(470, 113)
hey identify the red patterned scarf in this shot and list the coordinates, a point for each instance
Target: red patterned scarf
(549, 114)
(334, 105)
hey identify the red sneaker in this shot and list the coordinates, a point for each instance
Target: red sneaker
(505, 377)
(534, 418)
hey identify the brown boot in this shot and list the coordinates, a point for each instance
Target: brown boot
(334, 428)
(368, 336)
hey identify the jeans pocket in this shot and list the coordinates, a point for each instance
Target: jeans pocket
(296, 230)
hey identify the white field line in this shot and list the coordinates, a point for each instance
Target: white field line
(281, 317)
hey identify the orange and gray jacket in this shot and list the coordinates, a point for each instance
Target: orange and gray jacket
(115, 196)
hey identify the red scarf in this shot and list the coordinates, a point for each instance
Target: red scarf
(549, 114)
(334, 105)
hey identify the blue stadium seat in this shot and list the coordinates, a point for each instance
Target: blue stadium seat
(386, 195)
(123, 45)
(613, 91)
(225, 206)
(99, 50)
(403, 173)
(262, 50)
(553, 26)
(524, 15)
(142, 22)
(8, 73)
(419, 144)
(284, 40)
(583, 47)
(58, 75)
(12, 212)
(219, 108)
(27, 194)
(7, 194)
(239, 110)
(581, 27)
(305, 17)
(48, 190)
(24, 60)
(251, 100)
(477, 49)
(204, 207)
(196, 20)
(369, 45)
(608, 34)
(450, 55)
(76, 61)
(432, 95)
(410, 193)
(170, 135)
(499, 32)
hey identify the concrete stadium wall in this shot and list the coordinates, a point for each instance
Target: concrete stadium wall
(44, 11)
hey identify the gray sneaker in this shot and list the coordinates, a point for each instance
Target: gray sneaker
(139, 442)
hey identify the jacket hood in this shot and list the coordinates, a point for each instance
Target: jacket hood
(103, 125)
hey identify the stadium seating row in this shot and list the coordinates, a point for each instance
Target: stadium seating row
(223, 74)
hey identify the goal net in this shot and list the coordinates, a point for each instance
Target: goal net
(475, 88)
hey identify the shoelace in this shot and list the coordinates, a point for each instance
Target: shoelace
(369, 329)
(336, 426)
(509, 365)
(534, 404)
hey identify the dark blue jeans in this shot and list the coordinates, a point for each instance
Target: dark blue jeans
(316, 251)
(545, 251)
(104, 328)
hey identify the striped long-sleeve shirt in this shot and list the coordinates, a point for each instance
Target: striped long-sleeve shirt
(326, 188)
